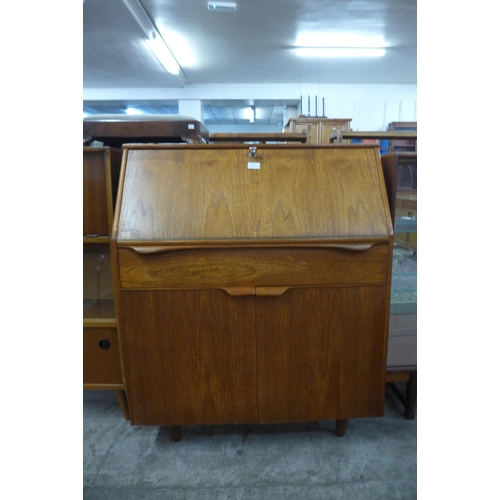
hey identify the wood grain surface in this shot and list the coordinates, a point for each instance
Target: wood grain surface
(247, 267)
(209, 193)
(101, 366)
(323, 361)
(96, 176)
(189, 357)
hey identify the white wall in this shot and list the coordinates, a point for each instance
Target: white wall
(371, 107)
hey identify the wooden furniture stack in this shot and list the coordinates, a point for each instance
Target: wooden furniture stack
(256, 137)
(318, 130)
(402, 145)
(252, 283)
(101, 353)
(114, 130)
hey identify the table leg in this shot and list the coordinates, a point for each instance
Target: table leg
(340, 427)
(122, 399)
(411, 396)
(175, 433)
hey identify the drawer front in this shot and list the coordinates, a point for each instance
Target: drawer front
(101, 356)
(206, 268)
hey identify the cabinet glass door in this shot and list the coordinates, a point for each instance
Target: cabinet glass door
(98, 298)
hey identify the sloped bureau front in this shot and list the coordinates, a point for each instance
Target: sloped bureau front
(252, 286)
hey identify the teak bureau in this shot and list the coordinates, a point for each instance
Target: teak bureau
(252, 283)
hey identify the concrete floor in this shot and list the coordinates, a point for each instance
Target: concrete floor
(375, 460)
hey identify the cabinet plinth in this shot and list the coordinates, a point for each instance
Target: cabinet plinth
(252, 294)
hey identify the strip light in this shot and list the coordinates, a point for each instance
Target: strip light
(154, 40)
(339, 52)
(222, 6)
(163, 54)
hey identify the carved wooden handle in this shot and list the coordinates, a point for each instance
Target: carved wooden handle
(353, 247)
(260, 291)
(271, 291)
(239, 291)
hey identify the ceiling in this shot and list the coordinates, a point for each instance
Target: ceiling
(253, 45)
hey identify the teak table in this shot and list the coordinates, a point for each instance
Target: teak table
(252, 283)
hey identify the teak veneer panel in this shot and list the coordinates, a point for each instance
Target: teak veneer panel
(195, 363)
(201, 268)
(101, 367)
(96, 167)
(321, 193)
(311, 362)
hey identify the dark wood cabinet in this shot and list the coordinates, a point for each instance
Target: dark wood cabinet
(252, 285)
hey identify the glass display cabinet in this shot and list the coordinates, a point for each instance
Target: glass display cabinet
(101, 352)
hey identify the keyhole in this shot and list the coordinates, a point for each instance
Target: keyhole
(104, 344)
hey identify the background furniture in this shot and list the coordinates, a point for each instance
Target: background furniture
(317, 130)
(341, 136)
(402, 360)
(402, 145)
(402, 347)
(405, 209)
(261, 137)
(101, 353)
(244, 299)
(115, 130)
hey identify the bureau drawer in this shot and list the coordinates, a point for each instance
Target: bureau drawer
(224, 267)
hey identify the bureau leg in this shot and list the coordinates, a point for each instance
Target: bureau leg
(122, 399)
(411, 396)
(175, 433)
(340, 427)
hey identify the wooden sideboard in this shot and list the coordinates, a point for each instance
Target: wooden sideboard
(252, 283)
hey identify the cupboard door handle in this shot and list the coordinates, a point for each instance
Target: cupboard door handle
(271, 291)
(239, 291)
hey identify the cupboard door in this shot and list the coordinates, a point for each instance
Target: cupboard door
(321, 353)
(189, 357)
(101, 356)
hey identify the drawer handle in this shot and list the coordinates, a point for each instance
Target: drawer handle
(150, 250)
(271, 291)
(261, 291)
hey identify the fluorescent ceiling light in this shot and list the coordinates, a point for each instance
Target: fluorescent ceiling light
(133, 111)
(339, 39)
(163, 54)
(339, 52)
(155, 41)
(222, 6)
